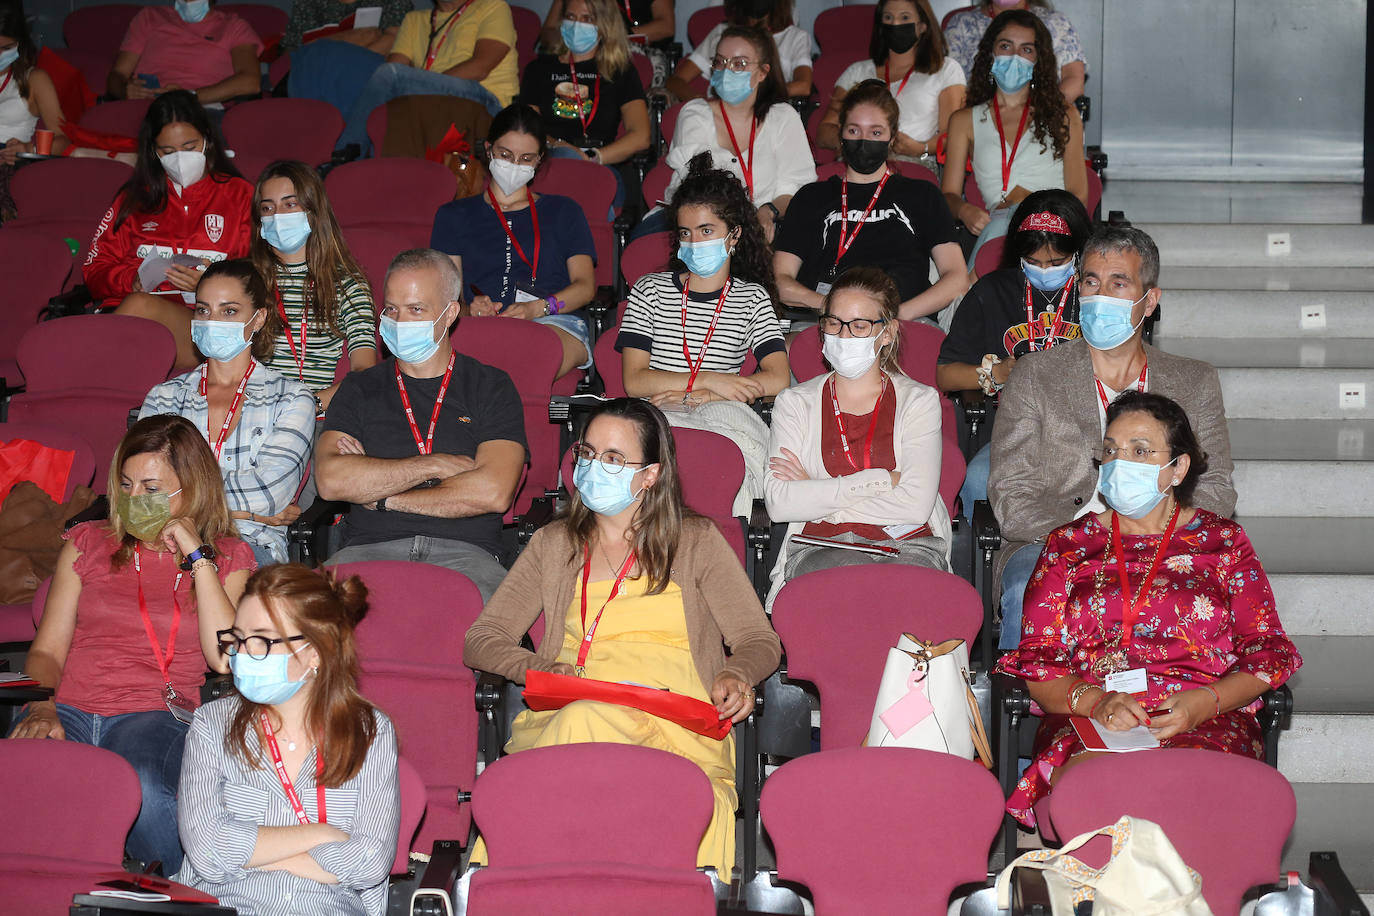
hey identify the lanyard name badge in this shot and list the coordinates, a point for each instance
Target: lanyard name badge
(425, 445)
(872, 426)
(887, 78)
(297, 355)
(293, 798)
(693, 368)
(515, 243)
(595, 94)
(1123, 679)
(1008, 157)
(218, 444)
(746, 167)
(431, 49)
(1056, 325)
(589, 633)
(182, 709)
(1140, 384)
(846, 240)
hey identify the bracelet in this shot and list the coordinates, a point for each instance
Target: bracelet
(1209, 689)
(1093, 712)
(553, 305)
(202, 563)
(1077, 695)
(985, 377)
(1069, 690)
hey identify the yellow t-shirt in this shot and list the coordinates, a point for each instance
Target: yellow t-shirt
(482, 19)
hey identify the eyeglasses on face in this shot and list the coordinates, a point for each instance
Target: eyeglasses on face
(1131, 452)
(613, 460)
(858, 327)
(500, 152)
(738, 64)
(258, 647)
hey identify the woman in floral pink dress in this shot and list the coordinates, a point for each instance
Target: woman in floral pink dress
(1204, 639)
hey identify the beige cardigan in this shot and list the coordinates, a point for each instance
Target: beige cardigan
(717, 598)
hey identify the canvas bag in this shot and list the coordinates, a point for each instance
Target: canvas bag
(1144, 877)
(924, 701)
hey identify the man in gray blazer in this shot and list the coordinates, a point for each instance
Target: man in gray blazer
(1054, 406)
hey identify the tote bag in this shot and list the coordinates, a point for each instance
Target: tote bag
(924, 701)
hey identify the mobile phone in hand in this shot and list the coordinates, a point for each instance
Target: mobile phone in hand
(150, 81)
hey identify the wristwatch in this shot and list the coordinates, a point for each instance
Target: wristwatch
(203, 552)
(553, 305)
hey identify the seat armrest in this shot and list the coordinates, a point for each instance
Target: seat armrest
(764, 408)
(434, 894)
(1273, 718)
(304, 536)
(1010, 694)
(541, 512)
(216, 685)
(987, 532)
(1330, 881)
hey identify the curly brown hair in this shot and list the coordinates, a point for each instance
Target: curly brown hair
(1049, 111)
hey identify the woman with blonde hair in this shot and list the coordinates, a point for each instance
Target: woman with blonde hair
(129, 625)
(290, 800)
(855, 453)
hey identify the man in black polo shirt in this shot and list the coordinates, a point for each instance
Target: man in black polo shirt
(429, 445)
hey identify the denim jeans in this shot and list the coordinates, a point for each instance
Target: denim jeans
(975, 486)
(152, 743)
(999, 221)
(568, 152)
(391, 81)
(1015, 576)
(469, 559)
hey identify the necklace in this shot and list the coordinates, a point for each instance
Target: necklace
(602, 544)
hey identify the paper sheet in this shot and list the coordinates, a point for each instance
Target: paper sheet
(1098, 737)
(368, 17)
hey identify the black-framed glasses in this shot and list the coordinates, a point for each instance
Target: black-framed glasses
(738, 64)
(614, 461)
(257, 647)
(1136, 452)
(858, 327)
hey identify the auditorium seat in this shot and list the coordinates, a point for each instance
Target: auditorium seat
(400, 195)
(645, 255)
(304, 129)
(37, 267)
(593, 186)
(700, 23)
(99, 28)
(79, 188)
(121, 116)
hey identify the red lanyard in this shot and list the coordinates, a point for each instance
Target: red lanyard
(233, 406)
(291, 795)
(847, 238)
(425, 445)
(164, 659)
(577, 94)
(887, 78)
(8, 75)
(694, 368)
(297, 355)
(1139, 386)
(590, 632)
(747, 168)
(629, 16)
(1052, 335)
(872, 426)
(534, 220)
(431, 49)
(1130, 610)
(1008, 158)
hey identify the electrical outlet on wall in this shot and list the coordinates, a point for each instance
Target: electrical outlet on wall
(1312, 317)
(1280, 244)
(1352, 396)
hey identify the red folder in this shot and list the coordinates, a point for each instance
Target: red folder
(152, 884)
(554, 691)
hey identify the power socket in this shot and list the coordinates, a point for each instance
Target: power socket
(1352, 396)
(1280, 244)
(1312, 317)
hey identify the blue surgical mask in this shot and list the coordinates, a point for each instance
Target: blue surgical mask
(1131, 487)
(7, 58)
(264, 680)
(221, 340)
(410, 341)
(600, 490)
(1011, 71)
(193, 10)
(705, 259)
(1106, 321)
(1047, 279)
(286, 232)
(732, 86)
(580, 37)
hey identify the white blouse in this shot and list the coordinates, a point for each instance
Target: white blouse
(919, 99)
(782, 160)
(16, 123)
(794, 50)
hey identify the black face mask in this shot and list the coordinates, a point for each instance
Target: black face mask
(758, 9)
(900, 37)
(864, 156)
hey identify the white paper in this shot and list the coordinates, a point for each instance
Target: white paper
(148, 897)
(1132, 681)
(897, 532)
(1139, 738)
(367, 17)
(153, 271)
(9, 677)
(522, 296)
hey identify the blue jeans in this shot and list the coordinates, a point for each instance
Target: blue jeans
(999, 221)
(1015, 575)
(152, 743)
(568, 152)
(653, 221)
(975, 486)
(472, 561)
(391, 81)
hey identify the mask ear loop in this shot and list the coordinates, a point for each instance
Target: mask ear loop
(644, 489)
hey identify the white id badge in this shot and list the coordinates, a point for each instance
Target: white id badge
(1132, 681)
(823, 288)
(524, 295)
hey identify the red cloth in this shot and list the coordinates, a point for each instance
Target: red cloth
(21, 459)
(73, 95)
(191, 55)
(544, 690)
(836, 465)
(110, 667)
(210, 219)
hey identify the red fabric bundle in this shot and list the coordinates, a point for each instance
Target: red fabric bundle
(554, 691)
(21, 459)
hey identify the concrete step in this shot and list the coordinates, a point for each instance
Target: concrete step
(1323, 605)
(1328, 747)
(1153, 202)
(1299, 488)
(1292, 352)
(1313, 546)
(1265, 439)
(1311, 245)
(1295, 394)
(1278, 278)
(1335, 677)
(1335, 817)
(1262, 313)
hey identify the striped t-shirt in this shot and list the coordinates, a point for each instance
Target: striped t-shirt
(653, 322)
(323, 349)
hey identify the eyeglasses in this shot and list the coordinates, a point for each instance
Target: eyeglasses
(614, 461)
(1138, 452)
(858, 327)
(257, 647)
(500, 152)
(738, 64)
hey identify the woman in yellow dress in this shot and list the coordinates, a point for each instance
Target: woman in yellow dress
(661, 593)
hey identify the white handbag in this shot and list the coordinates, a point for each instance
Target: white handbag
(1145, 876)
(924, 701)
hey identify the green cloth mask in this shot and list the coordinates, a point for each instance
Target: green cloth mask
(145, 515)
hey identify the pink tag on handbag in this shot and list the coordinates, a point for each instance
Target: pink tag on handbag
(911, 710)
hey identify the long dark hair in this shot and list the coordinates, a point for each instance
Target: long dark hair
(1178, 432)
(519, 119)
(657, 527)
(14, 25)
(146, 191)
(1023, 242)
(773, 89)
(718, 189)
(773, 16)
(1049, 112)
(327, 258)
(930, 44)
(325, 611)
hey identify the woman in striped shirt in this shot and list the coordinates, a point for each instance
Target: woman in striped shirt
(319, 299)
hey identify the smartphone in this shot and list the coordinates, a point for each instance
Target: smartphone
(150, 81)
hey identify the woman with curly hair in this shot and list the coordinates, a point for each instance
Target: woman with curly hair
(1021, 134)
